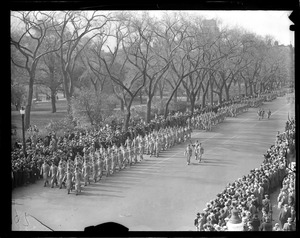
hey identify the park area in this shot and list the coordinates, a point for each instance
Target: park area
(94, 91)
(158, 194)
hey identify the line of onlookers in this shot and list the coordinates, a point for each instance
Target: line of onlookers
(247, 200)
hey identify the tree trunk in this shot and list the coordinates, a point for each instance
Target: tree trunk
(192, 99)
(227, 93)
(121, 105)
(36, 93)
(220, 97)
(203, 100)
(141, 97)
(67, 94)
(161, 93)
(250, 89)
(29, 102)
(127, 119)
(148, 110)
(204, 95)
(53, 101)
(211, 94)
(175, 96)
(240, 88)
(246, 88)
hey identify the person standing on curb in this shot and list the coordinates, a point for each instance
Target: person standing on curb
(266, 225)
(45, 172)
(196, 222)
(60, 174)
(284, 215)
(289, 225)
(53, 173)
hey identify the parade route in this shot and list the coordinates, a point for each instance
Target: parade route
(157, 194)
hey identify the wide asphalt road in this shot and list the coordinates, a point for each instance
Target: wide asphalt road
(158, 194)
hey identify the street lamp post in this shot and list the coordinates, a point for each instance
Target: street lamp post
(22, 112)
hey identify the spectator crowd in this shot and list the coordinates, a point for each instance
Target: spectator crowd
(249, 197)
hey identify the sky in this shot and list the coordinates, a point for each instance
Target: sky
(275, 23)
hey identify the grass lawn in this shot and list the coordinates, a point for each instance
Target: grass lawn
(41, 115)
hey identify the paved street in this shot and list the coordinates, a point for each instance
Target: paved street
(158, 194)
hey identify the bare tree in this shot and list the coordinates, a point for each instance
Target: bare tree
(128, 81)
(75, 30)
(153, 52)
(50, 76)
(28, 41)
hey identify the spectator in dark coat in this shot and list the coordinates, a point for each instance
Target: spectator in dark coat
(284, 214)
(255, 222)
(266, 225)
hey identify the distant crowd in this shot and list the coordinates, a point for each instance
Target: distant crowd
(248, 198)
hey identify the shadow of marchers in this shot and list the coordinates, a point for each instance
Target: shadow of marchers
(206, 164)
(84, 193)
(100, 189)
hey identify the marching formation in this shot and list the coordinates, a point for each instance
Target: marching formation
(80, 158)
(96, 163)
(109, 149)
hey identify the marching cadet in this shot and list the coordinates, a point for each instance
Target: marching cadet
(201, 152)
(141, 147)
(106, 162)
(127, 142)
(182, 139)
(125, 156)
(69, 164)
(269, 113)
(60, 174)
(173, 138)
(147, 144)
(197, 150)
(120, 158)
(95, 169)
(190, 132)
(263, 114)
(259, 113)
(45, 172)
(130, 154)
(135, 149)
(76, 180)
(53, 173)
(113, 156)
(151, 145)
(209, 124)
(101, 166)
(76, 162)
(163, 142)
(157, 147)
(188, 153)
(176, 136)
(68, 179)
(167, 140)
(86, 170)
